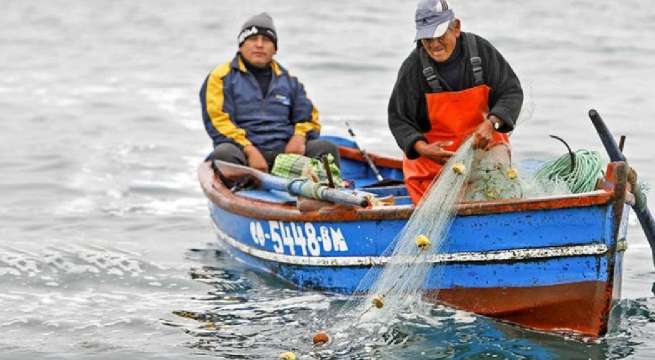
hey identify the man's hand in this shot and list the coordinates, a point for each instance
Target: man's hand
(483, 134)
(434, 151)
(296, 145)
(255, 158)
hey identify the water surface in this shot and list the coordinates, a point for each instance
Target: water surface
(105, 246)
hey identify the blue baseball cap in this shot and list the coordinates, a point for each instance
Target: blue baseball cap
(432, 18)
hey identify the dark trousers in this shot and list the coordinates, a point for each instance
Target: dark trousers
(313, 148)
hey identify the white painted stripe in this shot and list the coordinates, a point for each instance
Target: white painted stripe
(489, 256)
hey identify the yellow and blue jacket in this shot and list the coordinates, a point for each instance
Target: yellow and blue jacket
(234, 110)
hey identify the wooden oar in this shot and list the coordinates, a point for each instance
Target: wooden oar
(297, 187)
(640, 207)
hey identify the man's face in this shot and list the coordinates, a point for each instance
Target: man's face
(258, 50)
(442, 47)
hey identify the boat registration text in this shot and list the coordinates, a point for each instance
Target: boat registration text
(298, 238)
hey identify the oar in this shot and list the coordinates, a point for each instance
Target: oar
(370, 162)
(381, 180)
(297, 187)
(615, 154)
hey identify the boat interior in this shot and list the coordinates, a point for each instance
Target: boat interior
(357, 172)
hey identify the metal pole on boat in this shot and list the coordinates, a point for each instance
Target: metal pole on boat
(370, 162)
(298, 187)
(640, 207)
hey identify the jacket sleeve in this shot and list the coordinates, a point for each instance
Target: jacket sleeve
(506, 96)
(303, 113)
(217, 109)
(403, 109)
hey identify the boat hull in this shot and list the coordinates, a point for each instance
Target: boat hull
(559, 283)
(578, 307)
(551, 264)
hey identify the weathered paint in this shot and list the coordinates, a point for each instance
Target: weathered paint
(516, 267)
(307, 259)
(494, 232)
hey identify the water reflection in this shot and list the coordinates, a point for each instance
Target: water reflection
(254, 315)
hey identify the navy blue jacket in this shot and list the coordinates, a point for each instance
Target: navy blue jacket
(234, 110)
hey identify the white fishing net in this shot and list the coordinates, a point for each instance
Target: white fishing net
(396, 290)
(494, 177)
(397, 287)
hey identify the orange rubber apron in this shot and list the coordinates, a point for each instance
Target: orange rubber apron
(454, 116)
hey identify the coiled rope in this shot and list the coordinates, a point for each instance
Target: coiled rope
(579, 170)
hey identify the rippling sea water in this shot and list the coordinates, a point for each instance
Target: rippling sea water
(105, 245)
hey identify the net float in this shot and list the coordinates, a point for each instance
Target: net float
(377, 301)
(459, 168)
(512, 173)
(423, 242)
(287, 356)
(321, 338)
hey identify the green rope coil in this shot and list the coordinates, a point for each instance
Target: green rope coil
(589, 166)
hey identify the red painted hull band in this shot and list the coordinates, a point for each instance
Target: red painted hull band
(581, 308)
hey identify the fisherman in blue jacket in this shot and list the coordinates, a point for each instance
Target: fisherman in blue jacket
(253, 109)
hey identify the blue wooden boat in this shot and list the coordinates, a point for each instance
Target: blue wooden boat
(551, 264)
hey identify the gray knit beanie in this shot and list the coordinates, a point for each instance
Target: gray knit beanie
(258, 24)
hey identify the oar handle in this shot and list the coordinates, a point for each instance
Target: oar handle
(615, 154)
(606, 137)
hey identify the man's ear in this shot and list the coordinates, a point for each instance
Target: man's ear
(457, 27)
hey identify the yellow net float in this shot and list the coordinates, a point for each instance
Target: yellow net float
(377, 301)
(512, 173)
(459, 168)
(423, 242)
(287, 356)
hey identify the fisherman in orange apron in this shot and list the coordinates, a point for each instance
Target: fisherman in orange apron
(452, 86)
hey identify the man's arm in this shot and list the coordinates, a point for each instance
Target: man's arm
(305, 117)
(506, 96)
(217, 106)
(404, 110)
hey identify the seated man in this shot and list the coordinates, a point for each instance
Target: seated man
(254, 110)
(453, 85)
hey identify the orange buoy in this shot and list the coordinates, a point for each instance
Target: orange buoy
(321, 338)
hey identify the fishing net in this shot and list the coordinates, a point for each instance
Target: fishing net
(397, 287)
(492, 176)
(394, 290)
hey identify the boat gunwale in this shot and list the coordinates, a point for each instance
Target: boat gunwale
(222, 197)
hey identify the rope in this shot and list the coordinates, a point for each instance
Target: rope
(580, 172)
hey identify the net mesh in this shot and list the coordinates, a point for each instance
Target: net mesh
(394, 290)
(397, 287)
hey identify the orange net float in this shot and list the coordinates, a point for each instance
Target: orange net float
(321, 338)
(378, 301)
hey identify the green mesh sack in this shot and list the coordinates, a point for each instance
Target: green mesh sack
(291, 166)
